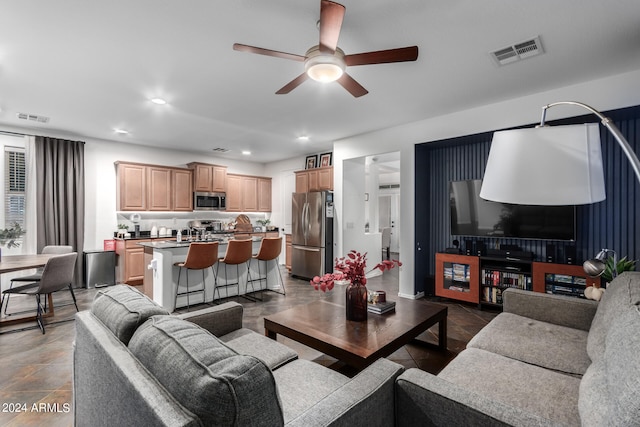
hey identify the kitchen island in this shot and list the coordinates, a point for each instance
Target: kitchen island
(161, 276)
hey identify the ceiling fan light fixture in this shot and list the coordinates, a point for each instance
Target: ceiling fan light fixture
(323, 67)
(325, 72)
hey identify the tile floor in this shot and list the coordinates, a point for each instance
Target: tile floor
(36, 369)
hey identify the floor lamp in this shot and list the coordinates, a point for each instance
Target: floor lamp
(552, 165)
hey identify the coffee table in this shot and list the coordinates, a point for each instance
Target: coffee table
(322, 325)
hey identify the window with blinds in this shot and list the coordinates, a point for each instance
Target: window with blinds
(14, 191)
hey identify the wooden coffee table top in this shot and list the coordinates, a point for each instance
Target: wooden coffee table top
(322, 325)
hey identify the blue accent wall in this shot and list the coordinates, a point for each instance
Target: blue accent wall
(613, 223)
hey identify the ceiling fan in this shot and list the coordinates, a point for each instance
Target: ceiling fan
(326, 62)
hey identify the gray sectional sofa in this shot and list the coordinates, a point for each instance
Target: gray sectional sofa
(547, 360)
(135, 364)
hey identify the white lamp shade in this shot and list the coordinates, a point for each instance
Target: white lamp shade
(556, 165)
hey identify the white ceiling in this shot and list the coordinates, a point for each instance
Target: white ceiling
(93, 66)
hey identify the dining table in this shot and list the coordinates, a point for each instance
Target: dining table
(11, 263)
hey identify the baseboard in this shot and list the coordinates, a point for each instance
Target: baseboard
(409, 296)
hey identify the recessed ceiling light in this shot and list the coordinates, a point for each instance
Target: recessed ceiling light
(121, 131)
(246, 152)
(158, 101)
(303, 138)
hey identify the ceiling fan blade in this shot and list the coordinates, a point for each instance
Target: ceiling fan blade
(331, 15)
(292, 84)
(401, 54)
(352, 86)
(267, 52)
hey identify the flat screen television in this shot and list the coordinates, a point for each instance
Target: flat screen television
(474, 216)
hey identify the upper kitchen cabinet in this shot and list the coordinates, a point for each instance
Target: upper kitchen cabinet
(182, 189)
(209, 178)
(248, 193)
(318, 179)
(234, 193)
(131, 187)
(264, 194)
(159, 191)
(143, 187)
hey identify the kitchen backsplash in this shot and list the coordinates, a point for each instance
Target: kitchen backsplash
(179, 220)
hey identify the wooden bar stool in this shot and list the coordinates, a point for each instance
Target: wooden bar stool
(270, 249)
(238, 252)
(200, 256)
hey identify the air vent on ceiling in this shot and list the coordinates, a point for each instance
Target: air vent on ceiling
(221, 150)
(518, 51)
(33, 117)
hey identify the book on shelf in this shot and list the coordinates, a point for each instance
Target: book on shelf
(381, 307)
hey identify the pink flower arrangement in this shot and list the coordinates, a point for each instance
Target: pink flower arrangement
(350, 267)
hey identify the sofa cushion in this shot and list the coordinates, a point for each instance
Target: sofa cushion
(593, 401)
(122, 309)
(622, 358)
(303, 384)
(531, 389)
(621, 293)
(218, 385)
(246, 341)
(535, 342)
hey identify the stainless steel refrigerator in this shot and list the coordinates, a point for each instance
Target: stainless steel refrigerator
(312, 234)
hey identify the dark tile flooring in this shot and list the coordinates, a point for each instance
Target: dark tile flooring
(37, 368)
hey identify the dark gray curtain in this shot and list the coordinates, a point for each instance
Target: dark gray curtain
(60, 195)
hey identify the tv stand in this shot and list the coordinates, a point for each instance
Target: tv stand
(481, 279)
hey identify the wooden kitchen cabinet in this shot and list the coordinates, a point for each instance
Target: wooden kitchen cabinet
(131, 186)
(264, 194)
(302, 182)
(325, 178)
(246, 193)
(209, 178)
(159, 188)
(143, 187)
(182, 190)
(318, 179)
(249, 193)
(130, 266)
(234, 193)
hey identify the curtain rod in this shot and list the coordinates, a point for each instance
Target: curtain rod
(6, 132)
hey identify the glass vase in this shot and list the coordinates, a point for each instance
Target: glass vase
(356, 302)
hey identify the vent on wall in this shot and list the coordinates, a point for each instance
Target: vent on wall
(517, 51)
(388, 186)
(33, 117)
(221, 150)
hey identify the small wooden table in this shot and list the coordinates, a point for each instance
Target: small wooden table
(10, 263)
(322, 325)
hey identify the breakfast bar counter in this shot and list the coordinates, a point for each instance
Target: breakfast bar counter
(161, 276)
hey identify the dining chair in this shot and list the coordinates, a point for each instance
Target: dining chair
(35, 277)
(56, 275)
(200, 256)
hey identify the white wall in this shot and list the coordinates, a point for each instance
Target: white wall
(618, 91)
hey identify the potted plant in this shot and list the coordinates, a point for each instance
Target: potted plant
(122, 229)
(623, 265)
(352, 268)
(263, 223)
(9, 236)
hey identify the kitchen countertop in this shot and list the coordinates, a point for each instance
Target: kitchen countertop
(223, 234)
(170, 244)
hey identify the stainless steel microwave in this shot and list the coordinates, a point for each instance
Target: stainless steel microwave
(209, 201)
